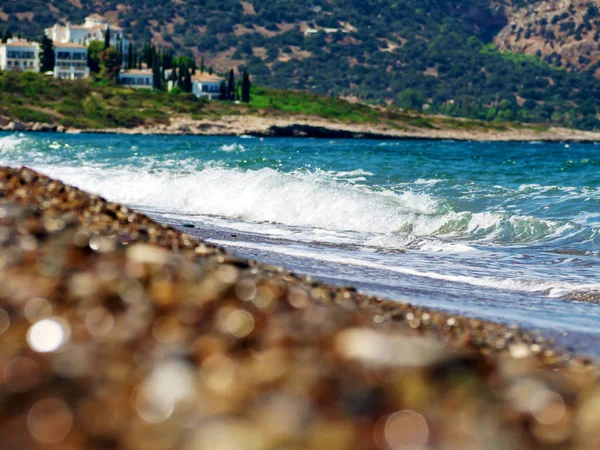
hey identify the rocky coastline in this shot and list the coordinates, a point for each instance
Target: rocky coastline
(119, 332)
(306, 126)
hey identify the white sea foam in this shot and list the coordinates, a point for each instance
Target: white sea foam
(232, 148)
(313, 199)
(11, 141)
(552, 289)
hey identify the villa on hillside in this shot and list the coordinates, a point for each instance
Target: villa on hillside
(70, 61)
(135, 78)
(20, 55)
(94, 29)
(203, 85)
(206, 86)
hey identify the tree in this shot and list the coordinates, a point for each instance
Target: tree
(107, 38)
(46, 55)
(231, 86)
(223, 89)
(246, 87)
(187, 81)
(202, 65)
(110, 64)
(157, 76)
(411, 99)
(7, 35)
(130, 57)
(95, 49)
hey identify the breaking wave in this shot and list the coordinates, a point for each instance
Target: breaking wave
(310, 199)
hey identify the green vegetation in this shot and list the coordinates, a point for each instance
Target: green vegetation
(85, 104)
(300, 102)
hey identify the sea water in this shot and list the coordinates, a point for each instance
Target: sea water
(502, 231)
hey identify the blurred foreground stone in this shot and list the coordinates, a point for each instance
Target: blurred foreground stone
(119, 333)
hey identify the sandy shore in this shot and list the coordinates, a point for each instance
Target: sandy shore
(118, 332)
(307, 126)
(314, 127)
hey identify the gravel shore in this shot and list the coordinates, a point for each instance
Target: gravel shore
(308, 126)
(117, 332)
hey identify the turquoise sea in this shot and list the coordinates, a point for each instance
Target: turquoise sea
(502, 231)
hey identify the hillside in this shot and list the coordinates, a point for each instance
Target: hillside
(565, 33)
(432, 55)
(35, 102)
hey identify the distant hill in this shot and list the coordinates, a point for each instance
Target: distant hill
(463, 57)
(564, 33)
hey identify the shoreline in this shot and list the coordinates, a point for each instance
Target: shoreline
(312, 127)
(144, 304)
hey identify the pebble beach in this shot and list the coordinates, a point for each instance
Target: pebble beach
(117, 332)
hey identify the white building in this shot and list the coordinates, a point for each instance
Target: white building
(20, 55)
(206, 86)
(135, 78)
(94, 29)
(70, 61)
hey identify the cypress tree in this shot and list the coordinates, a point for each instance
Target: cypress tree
(107, 37)
(46, 55)
(130, 57)
(246, 87)
(156, 75)
(231, 85)
(202, 65)
(223, 90)
(210, 70)
(187, 81)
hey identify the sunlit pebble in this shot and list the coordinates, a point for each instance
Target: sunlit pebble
(76, 362)
(22, 374)
(284, 414)
(169, 383)
(37, 309)
(83, 285)
(226, 434)
(166, 330)
(4, 321)
(218, 373)
(451, 322)
(99, 321)
(107, 271)
(48, 335)
(28, 243)
(102, 244)
(378, 319)
(535, 348)
(298, 298)
(49, 421)
(240, 323)
(547, 407)
(414, 323)
(405, 430)
(227, 274)
(265, 298)
(245, 290)
(519, 351)
(81, 239)
(53, 225)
